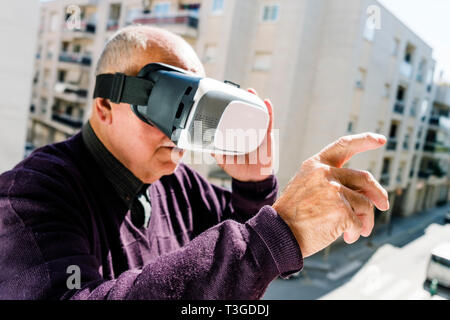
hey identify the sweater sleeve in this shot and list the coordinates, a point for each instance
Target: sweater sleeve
(42, 236)
(241, 203)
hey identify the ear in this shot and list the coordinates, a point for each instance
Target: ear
(103, 110)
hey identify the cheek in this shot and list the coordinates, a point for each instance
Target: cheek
(139, 138)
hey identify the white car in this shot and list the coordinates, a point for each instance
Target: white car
(439, 265)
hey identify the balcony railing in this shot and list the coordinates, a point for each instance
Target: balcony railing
(75, 58)
(406, 69)
(188, 19)
(85, 27)
(399, 107)
(440, 121)
(436, 146)
(67, 120)
(425, 174)
(112, 25)
(392, 144)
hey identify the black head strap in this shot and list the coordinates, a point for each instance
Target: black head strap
(122, 88)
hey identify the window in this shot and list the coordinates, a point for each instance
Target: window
(392, 140)
(422, 70)
(65, 46)
(424, 109)
(262, 61)
(399, 106)
(360, 78)
(217, 6)
(161, 8)
(407, 140)
(385, 179)
(393, 130)
(414, 106)
(210, 53)
(401, 169)
(350, 127)
(61, 75)
(409, 53)
(386, 166)
(76, 48)
(270, 13)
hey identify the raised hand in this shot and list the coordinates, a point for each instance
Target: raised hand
(324, 200)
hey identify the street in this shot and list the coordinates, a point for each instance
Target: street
(389, 266)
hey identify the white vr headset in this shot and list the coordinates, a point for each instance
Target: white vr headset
(198, 114)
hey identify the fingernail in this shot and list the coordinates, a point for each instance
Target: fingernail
(380, 138)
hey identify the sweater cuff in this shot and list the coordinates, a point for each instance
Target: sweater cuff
(279, 239)
(266, 186)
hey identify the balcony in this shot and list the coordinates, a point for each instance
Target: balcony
(436, 147)
(84, 60)
(432, 170)
(67, 120)
(399, 107)
(88, 27)
(70, 92)
(440, 121)
(392, 144)
(406, 70)
(182, 23)
(112, 25)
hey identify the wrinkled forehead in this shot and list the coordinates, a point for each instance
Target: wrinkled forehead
(168, 50)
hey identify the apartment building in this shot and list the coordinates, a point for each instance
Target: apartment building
(433, 187)
(71, 36)
(16, 64)
(329, 73)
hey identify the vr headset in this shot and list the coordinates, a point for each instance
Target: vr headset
(198, 114)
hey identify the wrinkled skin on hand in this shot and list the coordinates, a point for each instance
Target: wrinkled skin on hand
(324, 200)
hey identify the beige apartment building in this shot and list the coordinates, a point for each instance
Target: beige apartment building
(328, 72)
(434, 169)
(68, 50)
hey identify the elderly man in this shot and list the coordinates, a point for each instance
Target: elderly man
(112, 214)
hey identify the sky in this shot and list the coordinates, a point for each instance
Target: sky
(430, 19)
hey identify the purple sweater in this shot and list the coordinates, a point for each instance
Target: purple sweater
(202, 242)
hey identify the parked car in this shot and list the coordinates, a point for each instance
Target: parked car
(439, 265)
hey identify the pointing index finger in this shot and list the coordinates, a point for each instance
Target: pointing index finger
(342, 150)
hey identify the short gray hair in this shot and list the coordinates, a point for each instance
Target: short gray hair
(126, 43)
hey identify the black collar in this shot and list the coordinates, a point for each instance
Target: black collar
(126, 184)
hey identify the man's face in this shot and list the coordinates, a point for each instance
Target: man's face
(143, 148)
(147, 152)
